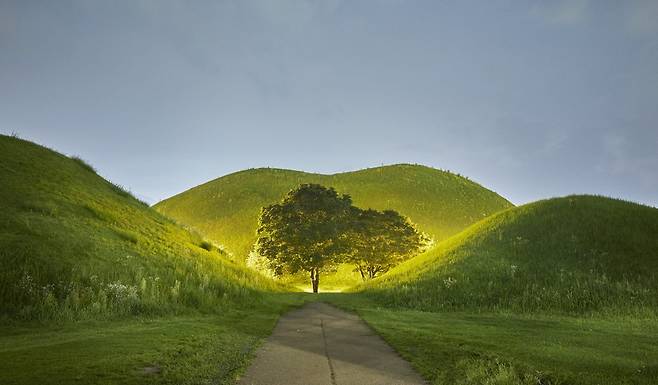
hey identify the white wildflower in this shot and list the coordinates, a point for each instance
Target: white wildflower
(449, 282)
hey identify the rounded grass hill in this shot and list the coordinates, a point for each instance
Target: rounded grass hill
(573, 254)
(74, 245)
(227, 209)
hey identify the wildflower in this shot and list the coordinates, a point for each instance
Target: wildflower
(120, 292)
(449, 282)
(26, 284)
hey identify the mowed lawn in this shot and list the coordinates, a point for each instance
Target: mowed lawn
(174, 350)
(456, 348)
(446, 348)
(479, 348)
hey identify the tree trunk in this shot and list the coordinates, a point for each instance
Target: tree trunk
(315, 279)
(363, 275)
(373, 272)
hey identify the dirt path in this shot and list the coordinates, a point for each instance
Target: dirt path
(322, 345)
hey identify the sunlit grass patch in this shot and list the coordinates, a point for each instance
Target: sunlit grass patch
(226, 209)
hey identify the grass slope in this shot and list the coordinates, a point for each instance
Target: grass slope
(73, 245)
(439, 202)
(575, 254)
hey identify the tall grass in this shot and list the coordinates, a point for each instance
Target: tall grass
(129, 289)
(499, 290)
(75, 246)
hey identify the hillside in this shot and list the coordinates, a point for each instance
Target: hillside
(572, 254)
(74, 245)
(439, 202)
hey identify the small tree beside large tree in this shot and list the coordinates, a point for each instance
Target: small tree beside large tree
(305, 232)
(314, 228)
(381, 240)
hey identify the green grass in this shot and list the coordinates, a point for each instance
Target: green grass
(468, 348)
(561, 291)
(227, 209)
(75, 246)
(98, 288)
(574, 255)
(184, 349)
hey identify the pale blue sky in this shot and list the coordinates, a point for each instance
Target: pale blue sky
(532, 99)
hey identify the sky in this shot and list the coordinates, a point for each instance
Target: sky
(532, 99)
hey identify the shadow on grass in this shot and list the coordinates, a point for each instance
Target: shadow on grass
(183, 349)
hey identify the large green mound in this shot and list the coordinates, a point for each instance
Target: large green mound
(572, 254)
(439, 202)
(74, 245)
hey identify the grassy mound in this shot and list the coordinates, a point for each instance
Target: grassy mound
(73, 245)
(439, 202)
(574, 254)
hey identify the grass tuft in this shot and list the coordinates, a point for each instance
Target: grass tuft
(84, 164)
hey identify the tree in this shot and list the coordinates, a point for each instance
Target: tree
(305, 231)
(381, 240)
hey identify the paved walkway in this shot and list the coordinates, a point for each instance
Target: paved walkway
(321, 345)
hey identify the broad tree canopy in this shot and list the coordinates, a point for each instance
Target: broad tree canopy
(304, 232)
